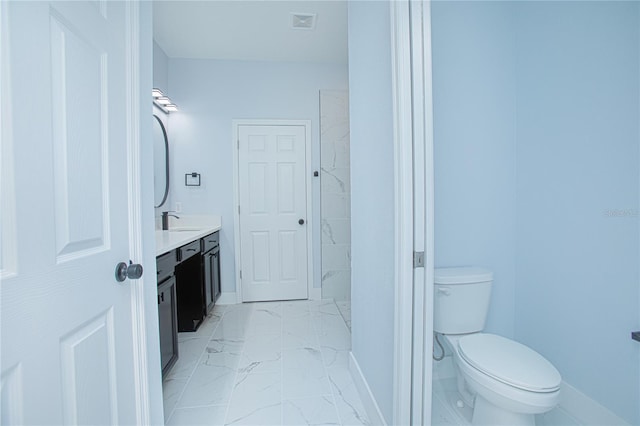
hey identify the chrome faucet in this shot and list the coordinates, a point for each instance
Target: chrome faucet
(165, 219)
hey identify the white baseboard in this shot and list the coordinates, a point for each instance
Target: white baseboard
(369, 402)
(585, 409)
(315, 293)
(227, 298)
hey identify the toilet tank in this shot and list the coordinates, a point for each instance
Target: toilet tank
(461, 299)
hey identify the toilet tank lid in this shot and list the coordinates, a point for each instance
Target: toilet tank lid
(462, 275)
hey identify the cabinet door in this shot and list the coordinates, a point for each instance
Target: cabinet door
(168, 324)
(208, 280)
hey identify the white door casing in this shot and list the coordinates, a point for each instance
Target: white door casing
(73, 339)
(273, 254)
(414, 212)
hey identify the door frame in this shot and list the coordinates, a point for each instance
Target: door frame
(236, 196)
(147, 408)
(414, 209)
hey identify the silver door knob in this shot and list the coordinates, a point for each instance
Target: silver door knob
(133, 271)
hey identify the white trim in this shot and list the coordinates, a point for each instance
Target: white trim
(236, 197)
(585, 410)
(315, 293)
(414, 226)
(403, 227)
(136, 253)
(8, 226)
(227, 298)
(426, 120)
(368, 400)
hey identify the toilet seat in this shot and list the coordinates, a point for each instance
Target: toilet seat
(509, 362)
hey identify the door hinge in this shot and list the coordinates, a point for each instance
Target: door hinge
(418, 259)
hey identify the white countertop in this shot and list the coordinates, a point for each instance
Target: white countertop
(185, 230)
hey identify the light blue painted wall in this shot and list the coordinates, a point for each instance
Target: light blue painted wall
(577, 132)
(161, 81)
(546, 95)
(474, 95)
(160, 69)
(372, 199)
(210, 94)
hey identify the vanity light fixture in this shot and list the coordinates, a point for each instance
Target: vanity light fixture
(163, 102)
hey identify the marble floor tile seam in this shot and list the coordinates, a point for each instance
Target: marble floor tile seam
(238, 371)
(326, 372)
(195, 366)
(324, 309)
(184, 388)
(322, 363)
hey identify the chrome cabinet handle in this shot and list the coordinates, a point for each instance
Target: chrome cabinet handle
(133, 271)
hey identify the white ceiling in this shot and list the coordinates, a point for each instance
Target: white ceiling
(251, 30)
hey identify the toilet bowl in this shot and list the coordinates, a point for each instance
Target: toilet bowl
(510, 382)
(504, 381)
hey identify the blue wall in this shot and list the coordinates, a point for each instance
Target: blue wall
(212, 93)
(474, 96)
(372, 197)
(160, 69)
(577, 133)
(536, 109)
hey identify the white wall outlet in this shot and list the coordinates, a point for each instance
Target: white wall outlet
(178, 206)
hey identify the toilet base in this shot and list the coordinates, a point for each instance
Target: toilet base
(487, 414)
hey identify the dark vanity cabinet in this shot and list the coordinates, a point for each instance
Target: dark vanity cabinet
(188, 287)
(167, 311)
(211, 269)
(191, 298)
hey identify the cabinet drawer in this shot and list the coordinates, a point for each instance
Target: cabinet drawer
(165, 265)
(210, 241)
(188, 250)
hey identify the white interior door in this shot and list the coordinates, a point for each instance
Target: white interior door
(67, 344)
(273, 212)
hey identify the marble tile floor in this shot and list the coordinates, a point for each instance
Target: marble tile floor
(344, 306)
(272, 363)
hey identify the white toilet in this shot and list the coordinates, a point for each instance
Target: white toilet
(505, 382)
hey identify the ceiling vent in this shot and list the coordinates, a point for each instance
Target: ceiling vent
(303, 21)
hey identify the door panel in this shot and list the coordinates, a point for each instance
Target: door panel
(88, 372)
(67, 329)
(272, 194)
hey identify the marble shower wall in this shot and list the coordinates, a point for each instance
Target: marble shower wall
(335, 194)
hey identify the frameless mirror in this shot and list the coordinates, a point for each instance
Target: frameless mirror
(160, 162)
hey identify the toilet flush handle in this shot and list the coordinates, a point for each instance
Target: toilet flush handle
(444, 291)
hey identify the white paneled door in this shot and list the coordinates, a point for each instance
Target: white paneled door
(68, 327)
(273, 211)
